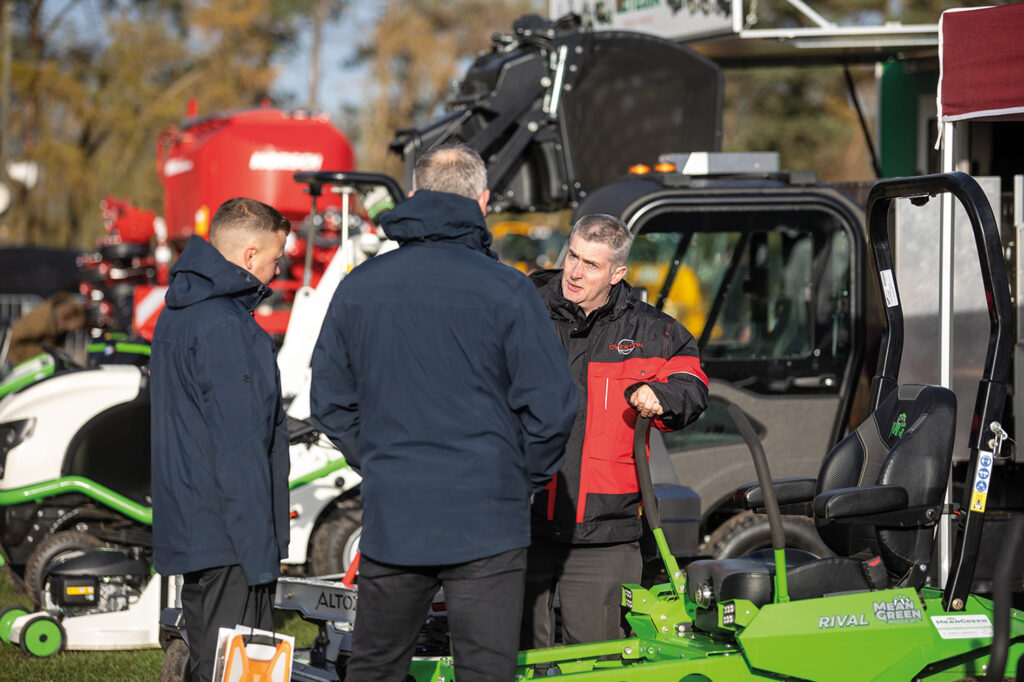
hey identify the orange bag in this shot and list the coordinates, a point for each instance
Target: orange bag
(246, 654)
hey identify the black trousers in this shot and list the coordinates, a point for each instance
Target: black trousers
(589, 579)
(218, 597)
(484, 600)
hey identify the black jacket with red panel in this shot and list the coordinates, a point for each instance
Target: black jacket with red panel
(595, 497)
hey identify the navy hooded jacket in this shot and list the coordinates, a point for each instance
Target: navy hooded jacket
(439, 376)
(219, 443)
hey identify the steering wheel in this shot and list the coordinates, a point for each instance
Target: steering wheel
(62, 358)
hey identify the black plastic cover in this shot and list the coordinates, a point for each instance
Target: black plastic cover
(99, 561)
(639, 97)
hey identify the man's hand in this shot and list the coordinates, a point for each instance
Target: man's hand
(645, 402)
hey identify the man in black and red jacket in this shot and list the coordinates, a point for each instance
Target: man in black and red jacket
(627, 358)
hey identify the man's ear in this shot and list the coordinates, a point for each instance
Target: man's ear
(483, 200)
(617, 274)
(249, 257)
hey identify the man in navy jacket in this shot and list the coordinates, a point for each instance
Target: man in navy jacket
(219, 444)
(437, 373)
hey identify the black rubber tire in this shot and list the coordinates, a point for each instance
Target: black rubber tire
(175, 666)
(331, 547)
(747, 531)
(48, 551)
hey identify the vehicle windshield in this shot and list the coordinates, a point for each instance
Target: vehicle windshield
(765, 291)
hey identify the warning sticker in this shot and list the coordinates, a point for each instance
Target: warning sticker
(963, 627)
(889, 288)
(979, 491)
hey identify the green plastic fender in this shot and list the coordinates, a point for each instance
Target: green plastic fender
(882, 635)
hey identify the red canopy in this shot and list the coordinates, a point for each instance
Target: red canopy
(981, 63)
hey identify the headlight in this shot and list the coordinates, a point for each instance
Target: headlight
(13, 434)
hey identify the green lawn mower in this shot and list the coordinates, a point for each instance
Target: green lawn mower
(874, 611)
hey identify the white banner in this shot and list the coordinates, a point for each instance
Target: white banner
(673, 19)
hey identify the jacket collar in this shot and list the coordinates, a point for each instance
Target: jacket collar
(549, 285)
(202, 273)
(429, 216)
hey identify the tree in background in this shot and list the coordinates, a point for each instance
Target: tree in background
(806, 113)
(416, 49)
(802, 113)
(93, 84)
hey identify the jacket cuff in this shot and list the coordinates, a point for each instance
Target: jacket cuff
(632, 388)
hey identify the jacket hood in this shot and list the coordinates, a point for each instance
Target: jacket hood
(549, 286)
(202, 273)
(436, 217)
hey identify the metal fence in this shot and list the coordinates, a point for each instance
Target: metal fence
(13, 306)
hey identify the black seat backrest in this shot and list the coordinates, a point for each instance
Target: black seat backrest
(113, 449)
(908, 442)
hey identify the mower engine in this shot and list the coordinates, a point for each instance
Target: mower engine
(96, 580)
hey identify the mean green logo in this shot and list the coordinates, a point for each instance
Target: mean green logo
(899, 426)
(634, 5)
(899, 611)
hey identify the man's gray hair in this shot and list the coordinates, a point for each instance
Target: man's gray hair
(453, 168)
(607, 230)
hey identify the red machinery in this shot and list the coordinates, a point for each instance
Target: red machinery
(248, 153)
(203, 162)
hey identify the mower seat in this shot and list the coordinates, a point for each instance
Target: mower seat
(885, 530)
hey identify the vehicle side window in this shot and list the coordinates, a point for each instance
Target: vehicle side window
(766, 309)
(752, 286)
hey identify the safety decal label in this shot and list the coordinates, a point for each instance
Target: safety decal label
(982, 476)
(889, 288)
(963, 627)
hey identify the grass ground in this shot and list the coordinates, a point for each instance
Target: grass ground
(105, 666)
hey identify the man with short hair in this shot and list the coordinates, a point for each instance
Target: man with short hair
(439, 377)
(219, 443)
(628, 359)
